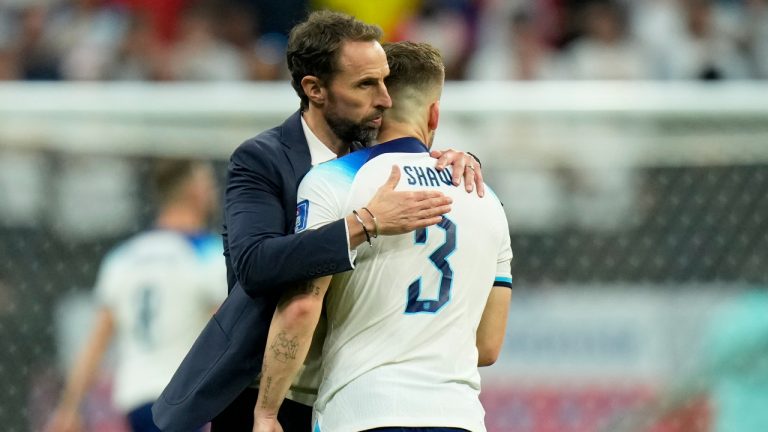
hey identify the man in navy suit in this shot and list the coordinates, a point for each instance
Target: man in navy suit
(338, 69)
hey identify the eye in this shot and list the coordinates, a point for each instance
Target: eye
(367, 83)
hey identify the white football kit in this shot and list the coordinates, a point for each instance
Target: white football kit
(401, 327)
(161, 287)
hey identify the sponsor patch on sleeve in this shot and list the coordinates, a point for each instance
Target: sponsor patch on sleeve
(302, 211)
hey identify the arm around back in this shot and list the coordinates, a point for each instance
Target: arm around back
(265, 255)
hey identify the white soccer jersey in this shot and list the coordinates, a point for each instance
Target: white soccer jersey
(400, 344)
(161, 287)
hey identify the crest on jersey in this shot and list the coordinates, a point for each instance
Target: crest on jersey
(302, 212)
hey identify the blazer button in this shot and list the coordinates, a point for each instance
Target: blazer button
(333, 266)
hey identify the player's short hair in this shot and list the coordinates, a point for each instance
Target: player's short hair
(413, 64)
(315, 44)
(168, 175)
(416, 75)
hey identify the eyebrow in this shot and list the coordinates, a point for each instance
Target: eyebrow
(369, 79)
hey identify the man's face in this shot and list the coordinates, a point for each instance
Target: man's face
(202, 189)
(357, 96)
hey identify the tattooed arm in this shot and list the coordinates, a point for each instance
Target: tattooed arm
(290, 336)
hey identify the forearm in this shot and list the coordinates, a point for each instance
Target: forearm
(493, 325)
(356, 229)
(289, 340)
(87, 363)
(265, 263)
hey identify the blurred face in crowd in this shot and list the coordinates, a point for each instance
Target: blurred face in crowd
(699, 17)
(356, 96)
(604, 22)
(201, 189)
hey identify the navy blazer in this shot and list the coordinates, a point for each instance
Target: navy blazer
(263, 256)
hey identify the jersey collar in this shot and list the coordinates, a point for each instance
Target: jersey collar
(399, 145)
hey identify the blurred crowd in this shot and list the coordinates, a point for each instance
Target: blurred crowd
(211, 40)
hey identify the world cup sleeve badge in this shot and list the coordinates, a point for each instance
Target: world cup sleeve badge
(302, 214)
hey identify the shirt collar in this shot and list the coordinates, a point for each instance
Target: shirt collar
(318, 151)
(399, 145)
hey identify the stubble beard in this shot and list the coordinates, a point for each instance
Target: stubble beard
(349, 131)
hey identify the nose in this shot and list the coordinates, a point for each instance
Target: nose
(383, 101)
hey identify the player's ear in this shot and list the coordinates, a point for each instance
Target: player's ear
(314, 89)
(434, 115)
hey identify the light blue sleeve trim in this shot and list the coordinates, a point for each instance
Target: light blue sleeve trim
(502, 281)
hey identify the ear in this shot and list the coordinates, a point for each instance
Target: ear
(434, 115)
(314, 89)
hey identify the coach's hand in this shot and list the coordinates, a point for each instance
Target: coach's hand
(266, 425)
(399, 212)
(462, 165)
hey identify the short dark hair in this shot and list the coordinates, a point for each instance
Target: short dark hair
(414, 65)
(169, 174)
(314, 46)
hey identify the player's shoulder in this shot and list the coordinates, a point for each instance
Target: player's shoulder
(116, 255)
(342, 169)
(495, 208)
(201, 243)
(207, 246)
(167, 241)
(124, 252)
(491, 194)
(492, 201)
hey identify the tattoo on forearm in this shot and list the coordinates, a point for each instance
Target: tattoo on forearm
(298, 289)
(285, 347)
(265, 394)
(312, 288)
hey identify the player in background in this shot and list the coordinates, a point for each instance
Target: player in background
(155, 293)
(407, 328)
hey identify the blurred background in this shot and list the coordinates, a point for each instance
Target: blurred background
(628, 141)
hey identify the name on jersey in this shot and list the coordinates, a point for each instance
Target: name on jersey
(427, 177)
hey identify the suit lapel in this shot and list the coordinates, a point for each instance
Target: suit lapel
(295, 145)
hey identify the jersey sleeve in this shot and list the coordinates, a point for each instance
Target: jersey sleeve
(319, 201)
(504, 258)
(108, 280)
(215, 277)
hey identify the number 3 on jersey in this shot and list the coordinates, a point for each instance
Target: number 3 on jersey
(440, 260)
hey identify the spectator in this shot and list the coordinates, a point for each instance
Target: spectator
(35, 53)
(757, 36)
(141, 55)
(704, 51)
(451, 27)
(605, 50)
(520, 55)
(85, 35)
(163, 16)
(200, 55)
(263, 55)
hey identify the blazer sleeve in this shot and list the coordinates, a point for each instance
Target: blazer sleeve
(264, 256)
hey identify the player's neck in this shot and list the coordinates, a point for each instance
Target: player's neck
(393, 130)
(323, 132)
(179, 217)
